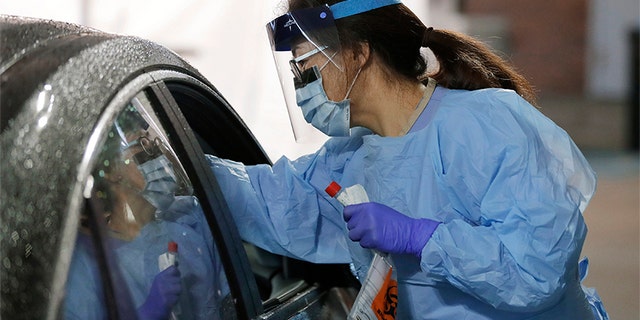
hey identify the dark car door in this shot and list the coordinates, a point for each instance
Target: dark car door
(103, 171)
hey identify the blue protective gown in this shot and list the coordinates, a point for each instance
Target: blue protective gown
(204, 284)
(508, 185)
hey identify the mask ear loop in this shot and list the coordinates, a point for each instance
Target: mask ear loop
(352, 83)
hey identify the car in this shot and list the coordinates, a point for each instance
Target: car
(86, 118)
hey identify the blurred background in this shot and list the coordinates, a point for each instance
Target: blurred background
(581, 55)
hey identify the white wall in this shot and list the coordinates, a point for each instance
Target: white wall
(63, 10)
(608, 68)
(442, 14)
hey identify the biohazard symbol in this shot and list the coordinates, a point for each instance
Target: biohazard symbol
(386, 301)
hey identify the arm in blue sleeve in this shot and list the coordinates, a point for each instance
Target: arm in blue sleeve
(520, 185)
(279, 208)
(84, 298)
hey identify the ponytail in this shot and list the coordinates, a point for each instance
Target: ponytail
(466, 63)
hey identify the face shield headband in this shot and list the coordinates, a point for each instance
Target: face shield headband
(300, 24)
(352, 7)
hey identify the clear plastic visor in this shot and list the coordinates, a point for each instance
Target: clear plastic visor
(300, 40)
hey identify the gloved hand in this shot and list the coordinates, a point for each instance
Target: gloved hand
(379, 227)
(164, 293)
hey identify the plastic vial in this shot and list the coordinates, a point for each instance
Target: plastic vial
(348, 196)
(166, 260)
(379, 279)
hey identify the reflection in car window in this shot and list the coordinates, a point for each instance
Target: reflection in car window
(144, 201)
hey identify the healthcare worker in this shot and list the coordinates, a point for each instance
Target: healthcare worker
(146, 204)
(475, 194)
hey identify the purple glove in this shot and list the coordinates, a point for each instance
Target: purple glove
(164, 293)
(379, 227)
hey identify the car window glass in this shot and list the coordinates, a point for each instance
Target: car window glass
(146, 213)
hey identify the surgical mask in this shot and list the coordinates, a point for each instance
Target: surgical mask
(330, 117)
(161, 182)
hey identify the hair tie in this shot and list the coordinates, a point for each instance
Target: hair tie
(425, 38)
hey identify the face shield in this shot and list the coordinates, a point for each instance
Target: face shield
(305, 38)
(299, 40)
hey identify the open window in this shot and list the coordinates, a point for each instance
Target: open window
(220, 132)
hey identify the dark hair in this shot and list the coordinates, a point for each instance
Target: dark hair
(396, 34)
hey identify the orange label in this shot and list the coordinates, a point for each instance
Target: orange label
(386, 301)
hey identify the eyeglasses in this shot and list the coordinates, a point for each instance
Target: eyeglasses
(296, 66)
(144, 149)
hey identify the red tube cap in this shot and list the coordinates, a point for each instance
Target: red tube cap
(333, 189)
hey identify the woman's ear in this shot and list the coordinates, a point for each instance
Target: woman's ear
(362, 54)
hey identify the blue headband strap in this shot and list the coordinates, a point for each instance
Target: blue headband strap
(352, 7)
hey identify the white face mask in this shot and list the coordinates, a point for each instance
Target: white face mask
(330, 117)
(161, 183)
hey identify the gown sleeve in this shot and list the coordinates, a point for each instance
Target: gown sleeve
(520, 185)
(283, 208)
(84, 298)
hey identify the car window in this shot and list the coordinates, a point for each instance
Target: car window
(144, 227)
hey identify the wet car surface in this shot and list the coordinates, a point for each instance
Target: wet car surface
(84, 113)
